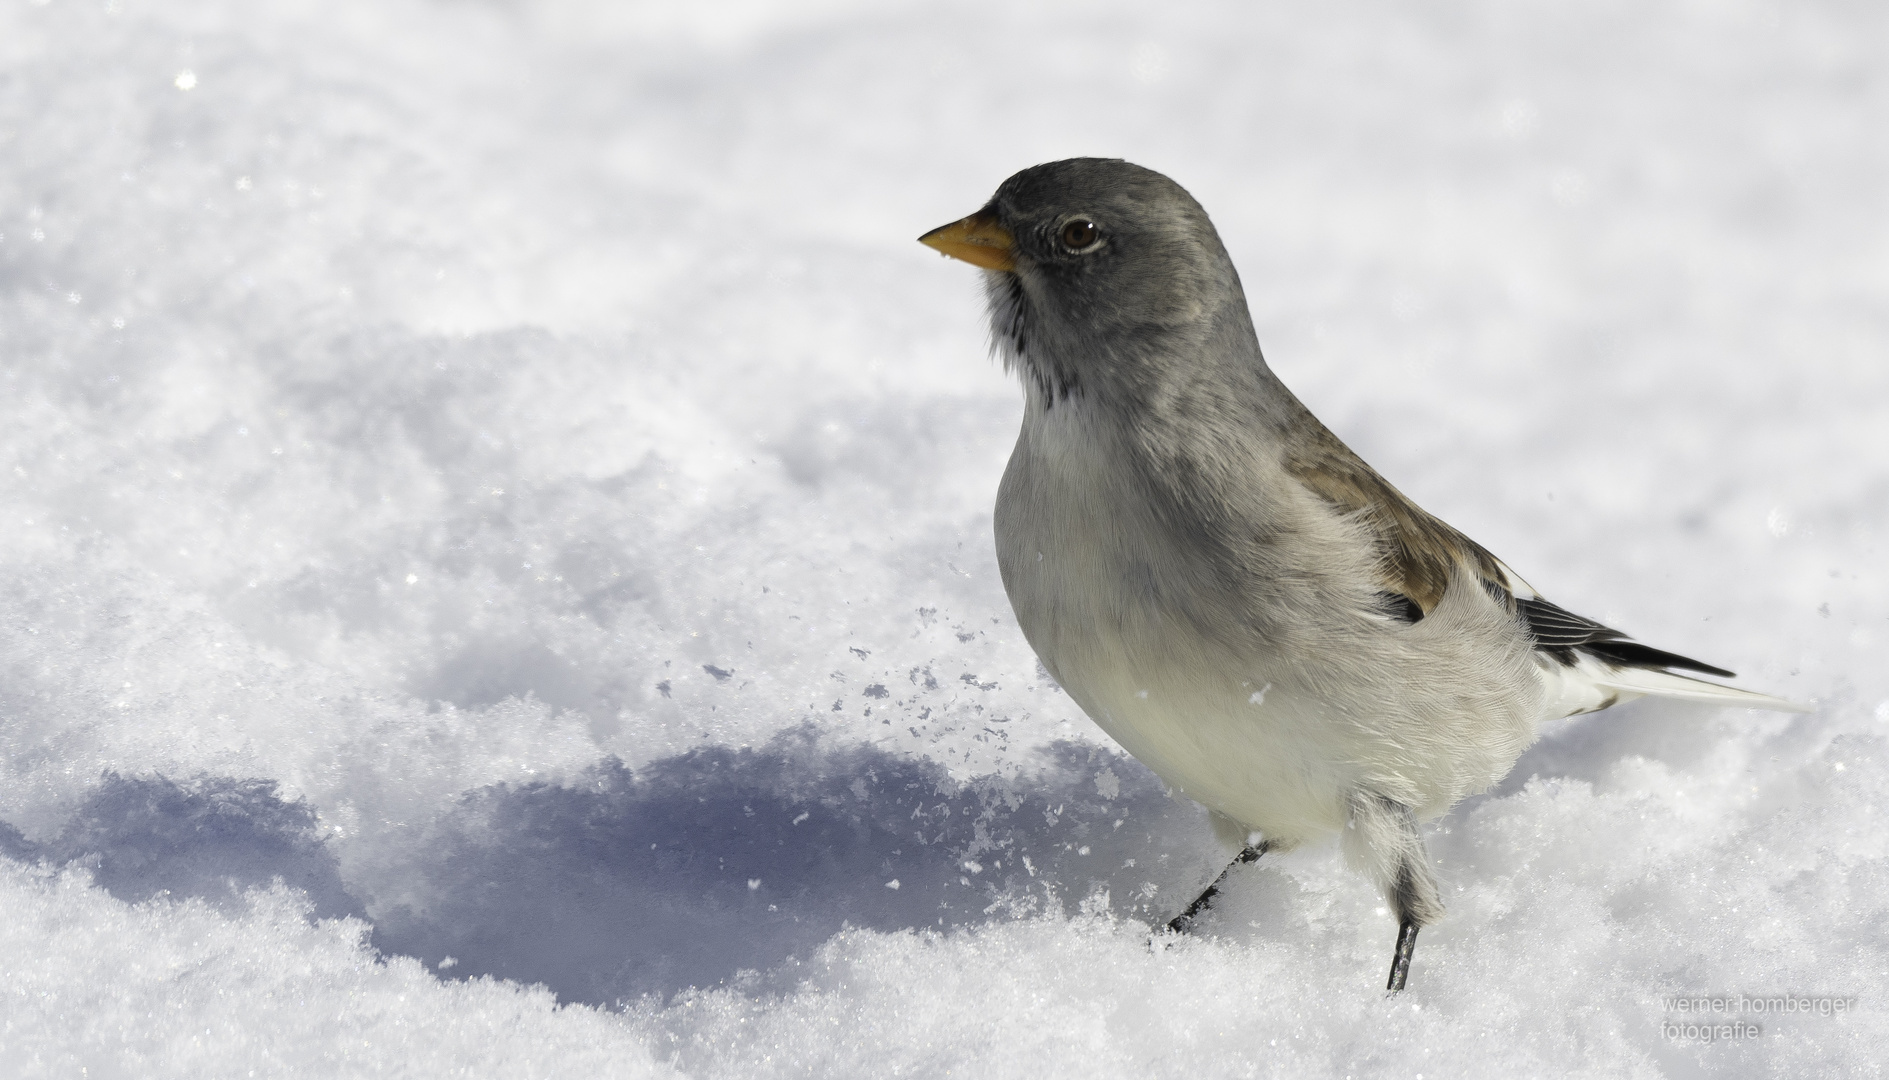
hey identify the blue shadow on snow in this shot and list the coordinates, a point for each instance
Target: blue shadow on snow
(681, 873)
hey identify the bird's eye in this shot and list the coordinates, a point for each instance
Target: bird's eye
(1079, 234)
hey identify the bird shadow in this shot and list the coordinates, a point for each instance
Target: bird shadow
(695, 867)
(680, 873)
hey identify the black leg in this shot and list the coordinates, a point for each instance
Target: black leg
(1400, 960)
(1184, 922)
(1382, 838)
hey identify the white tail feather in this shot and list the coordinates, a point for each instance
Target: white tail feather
(1666, 684)
(1595, 684)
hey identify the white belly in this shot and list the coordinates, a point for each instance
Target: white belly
(1248, 748)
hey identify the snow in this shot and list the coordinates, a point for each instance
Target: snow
(497, 573)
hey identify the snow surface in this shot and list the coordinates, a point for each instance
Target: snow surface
(497, 578)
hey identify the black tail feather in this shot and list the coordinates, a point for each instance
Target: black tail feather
(1560, 633)
(1634, 654)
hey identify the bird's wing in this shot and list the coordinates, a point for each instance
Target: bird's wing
(1596, 665)
(1417, 553)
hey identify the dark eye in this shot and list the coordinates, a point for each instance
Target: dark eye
(1079, 234)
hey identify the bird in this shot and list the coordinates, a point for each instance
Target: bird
(1222, 585)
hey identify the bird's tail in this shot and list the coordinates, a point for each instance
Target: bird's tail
(1594, 682)
(1655, 683)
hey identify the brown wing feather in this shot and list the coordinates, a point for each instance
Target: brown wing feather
(1417, 552)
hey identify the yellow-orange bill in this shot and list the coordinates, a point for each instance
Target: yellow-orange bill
(977, 239)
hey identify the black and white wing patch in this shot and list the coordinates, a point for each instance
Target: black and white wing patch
(1563, 635)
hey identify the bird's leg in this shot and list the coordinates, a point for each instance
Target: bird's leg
(1382, 838)
(1184, 922)
(1413, 897)
(1400, 958)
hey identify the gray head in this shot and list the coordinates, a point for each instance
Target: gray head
(1099, 273)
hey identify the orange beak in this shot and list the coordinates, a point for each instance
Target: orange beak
(977, 239)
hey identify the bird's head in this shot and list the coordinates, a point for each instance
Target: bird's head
(1095, 269)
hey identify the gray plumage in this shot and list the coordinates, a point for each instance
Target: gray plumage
(1227, 590)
